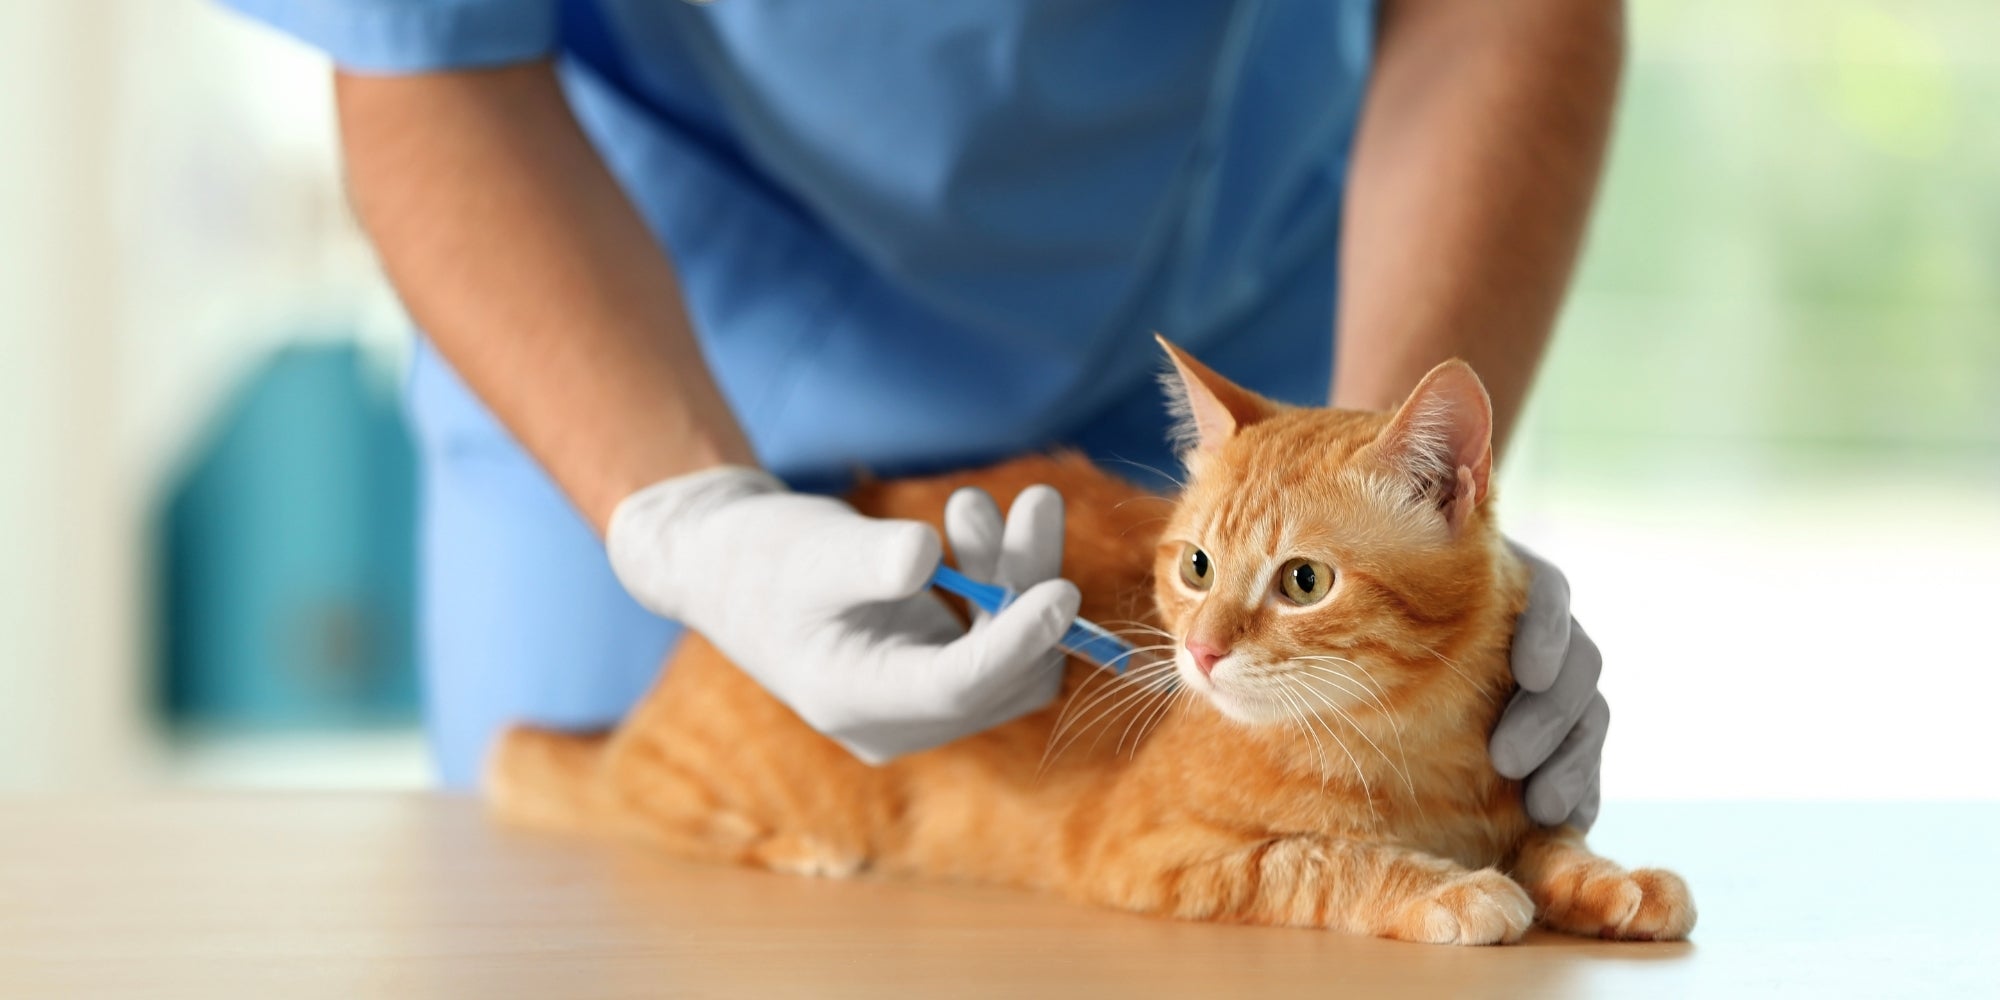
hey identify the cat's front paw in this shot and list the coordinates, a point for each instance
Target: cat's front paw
(1482, 907)
(1650, 904)
(1645, 905)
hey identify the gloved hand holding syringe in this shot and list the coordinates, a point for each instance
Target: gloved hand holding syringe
(834, 613)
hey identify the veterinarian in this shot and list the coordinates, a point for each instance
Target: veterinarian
(681, 269)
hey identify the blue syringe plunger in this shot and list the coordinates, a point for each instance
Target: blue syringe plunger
(1084, 638)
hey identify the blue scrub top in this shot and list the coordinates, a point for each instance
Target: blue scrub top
(912, 235)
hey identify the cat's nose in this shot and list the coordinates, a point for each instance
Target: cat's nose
(1205, 653)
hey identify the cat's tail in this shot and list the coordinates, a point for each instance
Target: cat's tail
(549, 779)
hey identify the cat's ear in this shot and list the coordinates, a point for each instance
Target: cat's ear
(1443, 439)
(1207, 408)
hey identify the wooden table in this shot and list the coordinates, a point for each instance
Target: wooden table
(381, 895)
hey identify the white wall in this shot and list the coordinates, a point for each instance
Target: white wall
(170, 206)
(65, 581)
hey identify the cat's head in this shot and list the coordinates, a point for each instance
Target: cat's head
(1325, 559)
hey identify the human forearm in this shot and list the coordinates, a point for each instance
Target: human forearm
(515, 250)
(1478, 154)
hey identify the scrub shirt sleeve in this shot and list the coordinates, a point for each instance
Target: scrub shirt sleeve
(413, 36)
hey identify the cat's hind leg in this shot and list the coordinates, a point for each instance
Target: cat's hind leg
(700, 814)
(1577, 892)
(588, 783)
(547, 778)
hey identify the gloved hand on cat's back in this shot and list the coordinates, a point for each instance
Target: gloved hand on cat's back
(832, 612)
(1552, 732)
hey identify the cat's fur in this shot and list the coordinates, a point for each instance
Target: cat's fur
(1351, 792)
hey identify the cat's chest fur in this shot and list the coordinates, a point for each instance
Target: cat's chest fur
(1435, 795)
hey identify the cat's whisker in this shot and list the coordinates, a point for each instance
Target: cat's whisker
(1134, 622)
(1166, 691)
(1137, 702)
(1082, 696)
(1372, 682)
(1360, 773)
(1347, 686)
(1077, 714)
(1366, 687)
(1143, 709)
(1395, 725)
(1106, 715)
(1135, 627)
(1130, 653)
(1155, 470)
(1404, 772)
(1079, 702)
(1370, 674)
(1169, 685)
(1147, 649)
(1343, 680)
(1491, 699)
(1176, 693)
(1366, 693)
(1295, 711)
(1123, 535)
(1134, 633)
(1313, 720)
(1117, 675)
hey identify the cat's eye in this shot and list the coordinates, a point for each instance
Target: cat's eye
(1305, 581)
(1196, 571)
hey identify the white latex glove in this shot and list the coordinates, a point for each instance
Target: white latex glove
(832, 611)
(1552, 733)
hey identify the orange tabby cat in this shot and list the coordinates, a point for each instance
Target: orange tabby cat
(1307, 748)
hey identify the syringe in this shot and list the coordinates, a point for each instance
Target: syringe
(1084, 638)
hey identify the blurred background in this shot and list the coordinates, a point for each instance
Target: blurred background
(1766, 447)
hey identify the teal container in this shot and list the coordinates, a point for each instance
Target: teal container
(287, 554)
